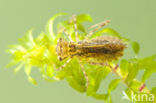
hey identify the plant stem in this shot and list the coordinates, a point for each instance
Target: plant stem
(115, 72)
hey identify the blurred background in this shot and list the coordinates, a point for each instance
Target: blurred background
(134, 19)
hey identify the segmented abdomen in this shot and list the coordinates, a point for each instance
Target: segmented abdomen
(100, 49)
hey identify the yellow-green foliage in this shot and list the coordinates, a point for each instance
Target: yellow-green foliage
(40, 52)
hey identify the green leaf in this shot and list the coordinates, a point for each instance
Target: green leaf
(50, 71)
(14, 48)
(67, 27)
(18, 68)
(32, 80)
(74, 75)
(27, 41)
(80, 27)
(49, 26)
(124, 67)
(28, 69)
(135, 85)
(136, 47)
(113, 85)
(60, 75)
(132, 70)
(100, 96)
(42, 39)
(73, 36)
(108, 31)
(74, 84)
(84, 18)
(100, 74)
(96, 75)
(145, 62)
(30, 37)
(149, 71)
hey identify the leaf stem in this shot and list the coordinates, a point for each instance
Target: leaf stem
(115, 72)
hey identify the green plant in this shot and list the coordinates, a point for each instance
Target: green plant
(40, 52)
